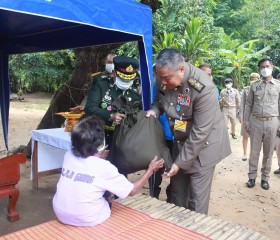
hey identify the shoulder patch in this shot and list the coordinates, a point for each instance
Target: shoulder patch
(196, 84)
(95, 74)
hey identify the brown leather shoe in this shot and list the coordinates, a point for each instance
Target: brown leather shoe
(251, 183)
(277, 171)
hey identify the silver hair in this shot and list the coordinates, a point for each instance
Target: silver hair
(171, 58)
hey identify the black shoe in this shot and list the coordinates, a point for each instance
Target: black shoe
(251, 183)
(277, 171)
(233, 135)
(265, 185)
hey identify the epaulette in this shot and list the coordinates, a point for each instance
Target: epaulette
(198, 86)
(95, 74)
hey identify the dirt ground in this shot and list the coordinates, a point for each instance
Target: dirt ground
(230, 200)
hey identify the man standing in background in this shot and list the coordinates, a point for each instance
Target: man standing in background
(262, 122)
(245, 136)
(230, 99)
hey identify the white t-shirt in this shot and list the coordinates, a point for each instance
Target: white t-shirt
(79, 197)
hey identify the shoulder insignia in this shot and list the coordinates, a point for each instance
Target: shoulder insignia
(196, 84)
(95, 74)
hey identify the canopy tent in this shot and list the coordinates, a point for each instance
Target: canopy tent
(42, 25)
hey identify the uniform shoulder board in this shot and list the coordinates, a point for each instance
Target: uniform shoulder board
(198, 86)
(95, 74)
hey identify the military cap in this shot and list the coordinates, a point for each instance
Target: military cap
(254, 75)
(228, 80)
(126, 67)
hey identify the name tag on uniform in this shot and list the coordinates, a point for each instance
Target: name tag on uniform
(180, 125)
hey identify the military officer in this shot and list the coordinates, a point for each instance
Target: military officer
(107, 73)
(262, 122)
(201, 140)
(101, 95)
(230, 99)
(253, 77)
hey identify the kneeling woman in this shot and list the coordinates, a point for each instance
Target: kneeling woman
(85, 177)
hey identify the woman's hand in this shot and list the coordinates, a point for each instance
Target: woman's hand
(155, 164)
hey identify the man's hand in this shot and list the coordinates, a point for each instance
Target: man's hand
(78, 108)
(247, 128)
(173, 171)
(151, 113)
(117, 118)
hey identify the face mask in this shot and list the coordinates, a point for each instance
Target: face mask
(123, 85)
(109, 67)
(266, 72)
(228, 85)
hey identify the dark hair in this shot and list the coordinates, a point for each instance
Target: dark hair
(205, 65)
(87, 136)
(228, 80)
(264, 60)
(169, 57)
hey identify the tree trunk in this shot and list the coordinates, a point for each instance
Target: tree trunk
(70, 94)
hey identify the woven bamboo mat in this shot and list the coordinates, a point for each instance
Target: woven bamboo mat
(124, 224)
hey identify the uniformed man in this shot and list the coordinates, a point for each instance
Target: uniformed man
(262, 122)
(245, 136)
(125, 82)
(230, 99)
(107, 73)
(278, 141)
(201, 140)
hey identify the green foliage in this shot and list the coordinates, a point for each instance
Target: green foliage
(41, 71)
(194, 41)
(238, 60)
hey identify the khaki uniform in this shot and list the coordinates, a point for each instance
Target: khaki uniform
(262, 116)
(200, 136)
(231, 102)
(277, 143)
(244, 96)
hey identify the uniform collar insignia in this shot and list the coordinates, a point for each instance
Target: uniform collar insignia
(198, 86)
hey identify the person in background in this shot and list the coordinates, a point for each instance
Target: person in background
(189, 98)
(278, 141)
(262, 122)
(205, 67)
(125, 82)
(245, 136)
(85, 177)
(107, 73)
(230, 99)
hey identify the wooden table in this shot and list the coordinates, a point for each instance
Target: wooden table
(48, 149)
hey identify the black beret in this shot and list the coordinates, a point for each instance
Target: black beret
(126, 67)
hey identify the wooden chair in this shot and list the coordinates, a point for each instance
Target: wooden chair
(9, 177)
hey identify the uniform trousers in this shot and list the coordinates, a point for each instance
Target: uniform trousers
(230, 114)
(262, 133)
(277, 148)
(191, 190)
